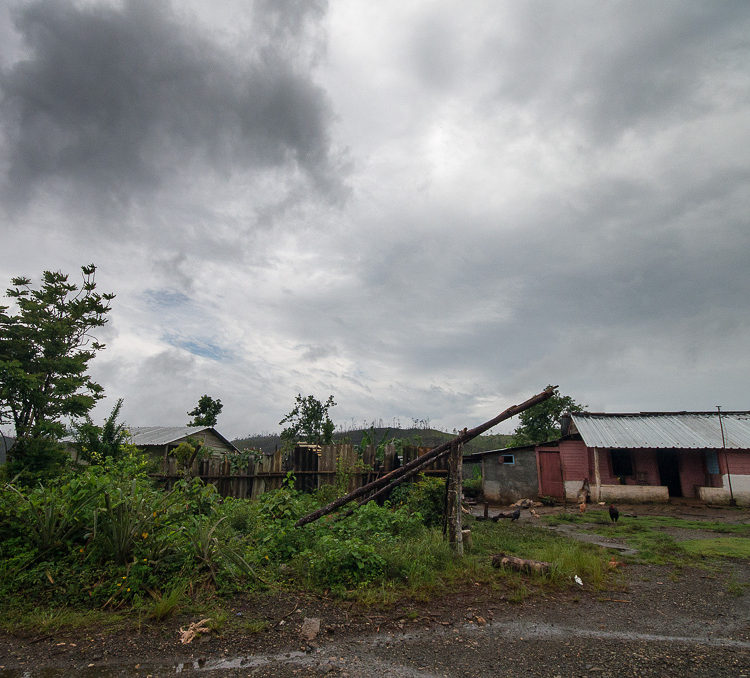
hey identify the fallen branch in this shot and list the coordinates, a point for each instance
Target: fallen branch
(519, 564)
(432, 455)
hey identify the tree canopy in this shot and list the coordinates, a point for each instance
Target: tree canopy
(45, 347)
(308, 422)
(206, 412)
(541, 423)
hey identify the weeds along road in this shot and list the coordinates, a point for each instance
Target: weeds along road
(656, 621)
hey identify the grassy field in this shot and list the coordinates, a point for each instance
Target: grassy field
(658, 539)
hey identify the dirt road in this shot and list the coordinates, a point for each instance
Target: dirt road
(654, 623)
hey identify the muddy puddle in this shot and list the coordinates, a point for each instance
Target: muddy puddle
(337, 654)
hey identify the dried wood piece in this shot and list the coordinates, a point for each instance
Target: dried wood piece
(519, 564)
(195, 629)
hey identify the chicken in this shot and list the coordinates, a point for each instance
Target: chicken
(582, 507)
(515, 515)
(614, 514)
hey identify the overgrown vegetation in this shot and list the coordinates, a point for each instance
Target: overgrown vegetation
(408, 436)
(655, 537)
(103, 538)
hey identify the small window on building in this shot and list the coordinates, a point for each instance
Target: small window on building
(712, 462)
(622, 463)
(507, 459)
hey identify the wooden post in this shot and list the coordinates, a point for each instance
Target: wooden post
(597, 475)
(562, 479)
(455, 535)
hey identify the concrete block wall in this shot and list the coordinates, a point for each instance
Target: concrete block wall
(721, 495)
(633, 493)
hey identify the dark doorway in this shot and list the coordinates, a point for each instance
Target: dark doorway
(669, 472)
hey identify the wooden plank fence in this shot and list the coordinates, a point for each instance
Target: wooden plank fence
(312, 465)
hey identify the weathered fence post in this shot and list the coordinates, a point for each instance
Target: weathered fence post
(455, 535)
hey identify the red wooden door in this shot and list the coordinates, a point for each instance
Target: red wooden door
(550, 478)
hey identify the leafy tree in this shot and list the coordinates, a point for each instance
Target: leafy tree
(541, 423)
(99, 443)
(45, 348)
(308, 422)
(206, 412)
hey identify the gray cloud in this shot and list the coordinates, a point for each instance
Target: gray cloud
(619, 68)
(110, 102)
(540, 193)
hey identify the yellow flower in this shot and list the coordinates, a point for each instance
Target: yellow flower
(144, 534)
(124, 577)
(266, 557)
(128, 589)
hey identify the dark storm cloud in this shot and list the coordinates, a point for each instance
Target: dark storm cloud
(110, 102)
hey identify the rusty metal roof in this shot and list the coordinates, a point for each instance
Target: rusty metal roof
(680, 430)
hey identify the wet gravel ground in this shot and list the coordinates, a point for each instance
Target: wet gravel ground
(654, 623)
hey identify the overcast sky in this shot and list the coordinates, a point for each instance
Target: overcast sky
(430, 210)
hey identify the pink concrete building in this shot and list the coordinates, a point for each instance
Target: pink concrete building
(649, 456)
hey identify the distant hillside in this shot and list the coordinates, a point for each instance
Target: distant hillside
(415, 436)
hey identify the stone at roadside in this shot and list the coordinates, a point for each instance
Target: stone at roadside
(310, 629)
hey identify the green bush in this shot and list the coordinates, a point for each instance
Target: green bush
(349, 562)
(378, 523)
(426, 497)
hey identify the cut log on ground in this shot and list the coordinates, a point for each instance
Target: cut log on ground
(519, 564)
(395, 476)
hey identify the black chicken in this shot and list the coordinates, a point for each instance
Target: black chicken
(515, 515)
(614, 514)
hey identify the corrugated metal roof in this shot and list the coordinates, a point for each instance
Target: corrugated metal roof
(681, 430)
(161, 435)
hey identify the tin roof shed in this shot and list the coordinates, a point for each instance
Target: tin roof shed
(664, 430)
(146, 436)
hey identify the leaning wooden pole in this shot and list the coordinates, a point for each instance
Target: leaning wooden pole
(388, 488)
(462, 438)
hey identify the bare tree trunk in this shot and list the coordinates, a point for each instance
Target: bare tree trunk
(455, 535)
